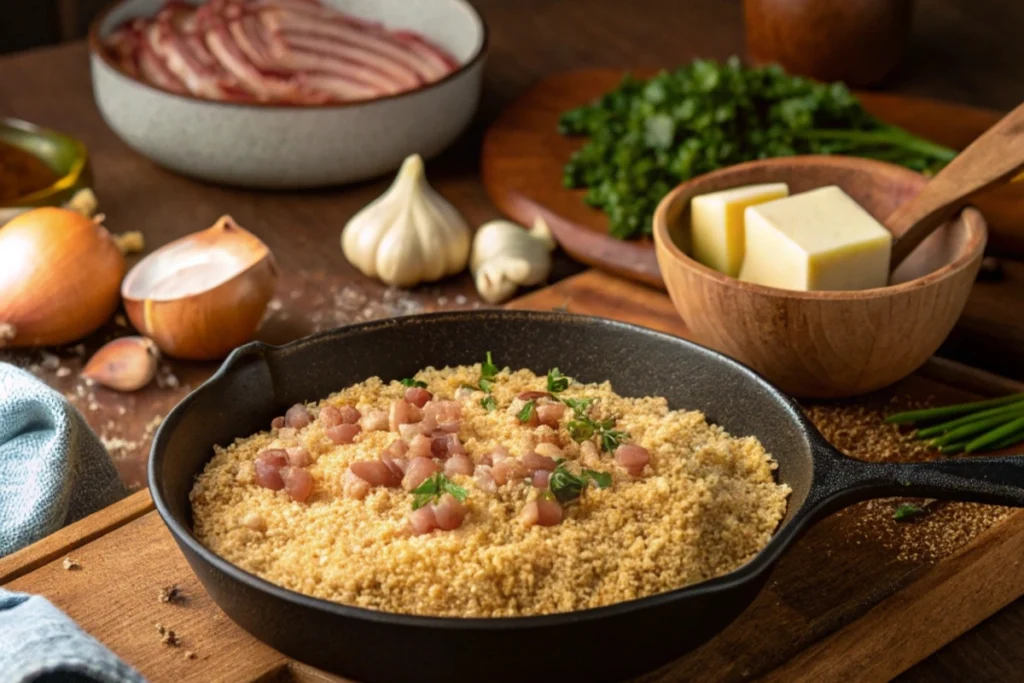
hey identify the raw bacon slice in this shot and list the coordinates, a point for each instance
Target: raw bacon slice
(288, 51)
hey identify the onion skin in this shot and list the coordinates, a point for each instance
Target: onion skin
(209, 324)
(60, 275)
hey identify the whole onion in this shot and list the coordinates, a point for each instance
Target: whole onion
(60, 275)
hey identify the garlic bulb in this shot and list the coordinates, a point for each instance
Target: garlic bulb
(505, 256)
(410, 234)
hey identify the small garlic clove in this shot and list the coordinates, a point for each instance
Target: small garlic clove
(125, 364)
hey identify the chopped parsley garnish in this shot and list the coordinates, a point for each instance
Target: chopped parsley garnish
(486, 385)
(584, 427)
(580, 406)
(431, 490)
(908, 511)
(488, 369)
(410, 382)
(612, 439)
(527, 412)
(488, 403)
(567, 487)
(557, 382)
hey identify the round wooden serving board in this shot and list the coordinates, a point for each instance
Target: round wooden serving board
(523, 155)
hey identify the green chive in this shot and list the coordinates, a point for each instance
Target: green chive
(929, 414)
(1011, 440)
(996, 435)
(1012, 410)
(977, 427)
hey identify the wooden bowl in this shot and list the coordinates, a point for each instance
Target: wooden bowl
(824, 344)
(856, 41)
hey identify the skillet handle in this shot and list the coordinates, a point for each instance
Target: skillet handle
(995, 480)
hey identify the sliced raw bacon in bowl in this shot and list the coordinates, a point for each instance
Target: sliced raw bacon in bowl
(280, 51)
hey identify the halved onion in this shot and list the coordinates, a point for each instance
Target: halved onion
(201, 296)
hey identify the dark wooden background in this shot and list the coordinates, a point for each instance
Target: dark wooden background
(962, 50)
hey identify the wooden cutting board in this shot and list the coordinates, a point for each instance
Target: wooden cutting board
(523, 156)
(859, 597)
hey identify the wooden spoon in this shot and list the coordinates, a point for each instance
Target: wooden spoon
(996, 156)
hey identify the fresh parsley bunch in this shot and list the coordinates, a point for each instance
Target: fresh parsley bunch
(647, 136)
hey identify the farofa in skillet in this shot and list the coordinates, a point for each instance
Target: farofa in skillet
(673, 501)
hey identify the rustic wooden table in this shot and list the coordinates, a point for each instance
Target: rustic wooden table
(961, 50)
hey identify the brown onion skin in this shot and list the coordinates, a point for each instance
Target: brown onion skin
(210, 324)
(68, 287)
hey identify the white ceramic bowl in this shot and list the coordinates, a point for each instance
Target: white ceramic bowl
(294, 146)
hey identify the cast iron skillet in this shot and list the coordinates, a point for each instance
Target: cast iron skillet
(258, 382)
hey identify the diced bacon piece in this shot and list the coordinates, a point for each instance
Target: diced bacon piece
(423, 520)
(329, 416)
(550, 414)
(297, 416)
(402, 412)
(268, 466)
(374, 421)
(418, 396)
(419, 470)
(397, 465)
(421, 446)
(298, 456)
(343, 433)
(298, 483)
(484, 479)
(549, 450)
(458, 464)
(375, 473)
(541, 479)
(533, 395)
(632, 458)
(354, 486)
(396, 449)
(535, 461)
(541, 512)
(508, 470)
(277, 422)
(445, 445)
(449, 512)
(446, 414)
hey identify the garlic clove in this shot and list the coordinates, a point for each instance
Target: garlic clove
(493, 281)
(201, 296)
(505, 256)
(125, 364)
(410, 234)
(59, 277)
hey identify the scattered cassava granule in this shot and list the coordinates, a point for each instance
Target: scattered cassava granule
(859, 431)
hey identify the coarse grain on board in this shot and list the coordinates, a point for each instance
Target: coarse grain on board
(706, 503)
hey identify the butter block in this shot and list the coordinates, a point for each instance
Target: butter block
(716, 223)
(817, 240)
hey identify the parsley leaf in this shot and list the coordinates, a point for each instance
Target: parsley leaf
(488, 369)
(907, 511)
(410, 382)
(431, 490)
(486, 385)
(580, 430)
(580, 406)
(568, 487)
(557, 382)
(488, 403)
(527, 412)
(611, 439)
(584, 427)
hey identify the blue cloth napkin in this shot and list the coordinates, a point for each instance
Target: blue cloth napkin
(53, 471)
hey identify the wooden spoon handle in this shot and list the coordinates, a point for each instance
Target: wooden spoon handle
(997, 155)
